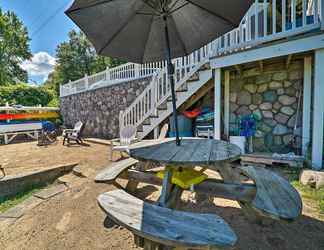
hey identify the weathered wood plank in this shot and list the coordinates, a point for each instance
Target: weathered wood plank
(186, 151)
(170, 153)
(212, 187)
(166, 188)
(110, 173)
(174, 197)
(267, 159)
(166, 226)
(275, 196)
(215, 188)
(147, 177)
(203, 152)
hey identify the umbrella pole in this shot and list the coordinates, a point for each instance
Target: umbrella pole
(171, 78)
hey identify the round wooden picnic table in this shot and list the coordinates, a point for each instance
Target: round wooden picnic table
(273, 194)
(191, 153)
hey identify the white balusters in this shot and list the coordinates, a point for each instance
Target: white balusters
(265, 18)
(86, 81)
(256, 19)
(322, 14)
(293, 13)
(316, 11)
(283, 15)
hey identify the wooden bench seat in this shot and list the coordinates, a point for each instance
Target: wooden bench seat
(275, 196)
(166, 226)
(270, 160)
(110, 173)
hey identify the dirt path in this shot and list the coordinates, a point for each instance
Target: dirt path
(25, 157)
(72, 220)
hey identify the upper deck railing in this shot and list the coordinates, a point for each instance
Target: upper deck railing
(264, 22)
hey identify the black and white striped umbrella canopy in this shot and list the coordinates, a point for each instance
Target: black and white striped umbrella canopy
(133, 30)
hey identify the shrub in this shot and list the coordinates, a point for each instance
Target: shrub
(23, 94)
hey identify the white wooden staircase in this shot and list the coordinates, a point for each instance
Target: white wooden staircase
(154, 105)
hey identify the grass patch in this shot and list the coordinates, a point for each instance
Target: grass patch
(316, 195)
(12, 201)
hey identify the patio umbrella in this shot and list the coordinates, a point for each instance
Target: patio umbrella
(153, 30)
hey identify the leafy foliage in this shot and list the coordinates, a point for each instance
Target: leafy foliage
(14, 48)
(23, 94)
(75, 58)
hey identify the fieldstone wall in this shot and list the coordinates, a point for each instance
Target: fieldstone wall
(273, 97)
(100, 108)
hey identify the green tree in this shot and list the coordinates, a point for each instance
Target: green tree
(75, 58)
(14, 48)
(24, 94)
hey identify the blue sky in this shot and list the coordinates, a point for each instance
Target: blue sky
(47, 25)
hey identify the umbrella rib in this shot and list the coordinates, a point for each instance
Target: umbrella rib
(151, 6)
(117, 32)
(173, 5)
(147, 14)
(180, 38)
(213, 13)
(148, 36)
(89, 6)
(178, 8)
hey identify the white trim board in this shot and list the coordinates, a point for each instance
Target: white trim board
(318, 111)
(266, 52)
(307, 101)
(218, 103)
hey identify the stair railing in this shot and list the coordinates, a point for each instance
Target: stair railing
(158, 90)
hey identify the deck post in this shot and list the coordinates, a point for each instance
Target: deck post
(318, 110)
(307, 95)
(322, 13)
(156, 132)
(86, 81)
(226, 103)
(218, 103)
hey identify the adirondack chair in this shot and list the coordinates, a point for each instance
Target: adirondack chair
(128, 139)
(74, 134)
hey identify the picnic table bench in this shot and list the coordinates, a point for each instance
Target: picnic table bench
(10, 130)
(167, 226)
(268, 159)
(275, 196)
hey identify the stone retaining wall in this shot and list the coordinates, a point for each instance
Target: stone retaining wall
(272, 96)
(100, 107)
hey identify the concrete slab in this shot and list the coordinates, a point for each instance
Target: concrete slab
(83, 171)
(51, 191)
(19, 210)
(11, 185)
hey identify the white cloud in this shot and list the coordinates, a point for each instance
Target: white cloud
(41, 65)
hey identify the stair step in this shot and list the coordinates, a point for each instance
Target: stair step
(147, 121)
(170, 99)
(154, 116)
(194, 77)
(163, 106)
(206, 66)
(183, 88)
(140, 128)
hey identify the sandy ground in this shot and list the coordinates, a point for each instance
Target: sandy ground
(25, 157)
(73, 220)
